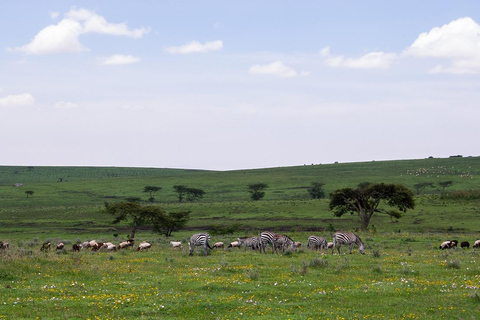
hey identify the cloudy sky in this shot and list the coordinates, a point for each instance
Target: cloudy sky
(237, 84)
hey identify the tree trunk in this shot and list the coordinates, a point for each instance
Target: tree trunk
(134, 229)
(365, 220)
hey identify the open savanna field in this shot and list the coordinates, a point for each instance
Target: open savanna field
(403, 274)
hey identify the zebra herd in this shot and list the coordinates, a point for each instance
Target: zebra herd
(282, 242)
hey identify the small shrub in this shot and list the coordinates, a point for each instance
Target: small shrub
(252, 274)
(319, 263)
(345, 264)
(224, 264)
(223, 230)
(330, 228)
(25, 253)
(376, 253)
(62, 251)
(454, 264)
(376, 268)
(302, 270)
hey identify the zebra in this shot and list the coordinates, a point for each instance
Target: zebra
(276, 240)
(199, 239)
(251, 242)
(350, 238)
(266, 237)
(316, 242)
(283, 241)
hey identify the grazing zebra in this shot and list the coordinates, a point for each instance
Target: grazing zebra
(350, 238)
(266, 237)
(282, 241)
(251, 242)
(316, 242)
(276, 240)
(199, 239)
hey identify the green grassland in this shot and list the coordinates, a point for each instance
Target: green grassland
(70, 199)
(403, 274)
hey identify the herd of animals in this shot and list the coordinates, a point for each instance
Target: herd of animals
(278, 242)
(454, 243)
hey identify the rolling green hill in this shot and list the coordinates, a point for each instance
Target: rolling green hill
(69, 199)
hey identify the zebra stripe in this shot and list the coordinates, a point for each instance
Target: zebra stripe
(266, 237)
(316, 242)
(283, 241)
(276, 240)
(251, 242)
(349, 238)
(199, 239)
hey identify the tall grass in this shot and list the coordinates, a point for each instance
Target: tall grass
(167, 283)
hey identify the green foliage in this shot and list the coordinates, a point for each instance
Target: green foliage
(419, 187)
(181, 191)
(151, 190)
(194, 194)
(172, 221)
(316, 190)
(256, 190)
(154, 216)
(367, 200)
(463, 195)
(443, 185)
(223, 230)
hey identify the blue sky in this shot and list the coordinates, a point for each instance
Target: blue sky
(237, 84)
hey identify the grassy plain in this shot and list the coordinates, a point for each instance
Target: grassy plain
(403, 275)
(69, 199)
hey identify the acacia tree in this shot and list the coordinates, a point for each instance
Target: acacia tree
(316, 190)
(194, 194)
(151, 190)
(366, 200)
(29, 193)
(172, 221)
(161, 221)
(181, 190)
(419, 187)
(127, 211)
(257, 190)
(444, 184)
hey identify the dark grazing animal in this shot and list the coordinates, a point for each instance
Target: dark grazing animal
(465, 244)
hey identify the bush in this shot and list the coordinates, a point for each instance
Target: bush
(319, 263)
(454, 264)
(252, 274)
(223, 230)
(463, 195)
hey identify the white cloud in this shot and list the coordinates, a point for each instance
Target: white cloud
(19, 100)
(65, 105)
(372, 60)
(118, 59)
(64, 36)
(196, 47)
(94, 23)
(458, 41)
(277, 68)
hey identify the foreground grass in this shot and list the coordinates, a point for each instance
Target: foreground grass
(400, 277)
